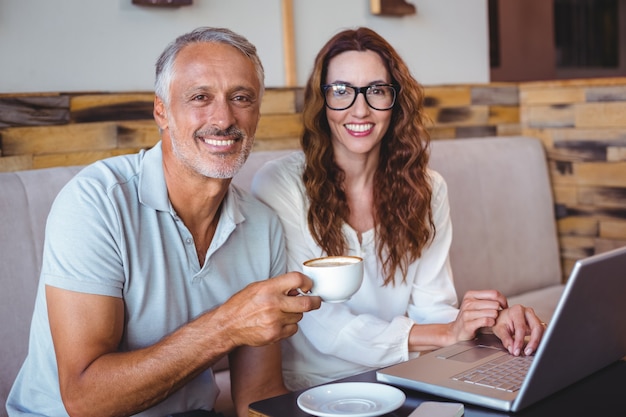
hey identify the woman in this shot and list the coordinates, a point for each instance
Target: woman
(362, 187)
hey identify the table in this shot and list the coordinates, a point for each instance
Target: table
(601, 394)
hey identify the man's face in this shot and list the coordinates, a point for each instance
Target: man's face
(214, 110)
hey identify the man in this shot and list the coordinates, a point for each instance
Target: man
(155, 267)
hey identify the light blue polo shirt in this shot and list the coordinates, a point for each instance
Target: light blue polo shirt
(112, 231)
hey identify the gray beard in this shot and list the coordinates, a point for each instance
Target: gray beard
(221, 171)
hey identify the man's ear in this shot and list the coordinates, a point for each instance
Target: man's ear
(160, 113)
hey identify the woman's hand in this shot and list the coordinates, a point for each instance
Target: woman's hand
(479, 309)
(514, 324)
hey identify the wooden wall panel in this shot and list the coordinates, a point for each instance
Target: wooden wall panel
(601, 115)
(453, 96)
(615, 230)
(52, 139)
(27, 110)
(279, 126)
(16, 163)
(76, 158)
(581, 123)
(547, 96)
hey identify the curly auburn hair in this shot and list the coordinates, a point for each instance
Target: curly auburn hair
(402, 191)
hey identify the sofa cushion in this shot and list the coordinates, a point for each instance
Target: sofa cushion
(25, 199)
(543, 301)
(504, 228)
(501, 206)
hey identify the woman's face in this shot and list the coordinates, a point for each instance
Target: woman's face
(358, 129)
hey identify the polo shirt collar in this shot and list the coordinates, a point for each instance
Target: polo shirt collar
(153, 190)
(152, 187)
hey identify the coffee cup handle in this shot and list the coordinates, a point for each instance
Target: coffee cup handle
(304, 293)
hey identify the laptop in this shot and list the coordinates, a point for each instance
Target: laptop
(587, 333)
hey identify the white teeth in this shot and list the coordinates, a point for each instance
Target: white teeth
(215, 142)
(363, 127)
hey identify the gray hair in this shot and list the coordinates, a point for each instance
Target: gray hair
(165, 63)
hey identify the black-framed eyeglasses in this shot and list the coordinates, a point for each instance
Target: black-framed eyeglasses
(343, 96)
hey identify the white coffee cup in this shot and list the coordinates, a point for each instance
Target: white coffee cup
(335, 278)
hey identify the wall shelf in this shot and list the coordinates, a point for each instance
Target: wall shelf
(162, 3)
(391, 8)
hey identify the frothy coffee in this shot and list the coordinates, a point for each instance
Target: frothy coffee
(325, 264)
(335, 278)
(332, 261)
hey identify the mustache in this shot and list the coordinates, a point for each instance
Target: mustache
(231, 131)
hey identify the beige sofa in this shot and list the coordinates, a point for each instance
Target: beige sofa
(501, 205)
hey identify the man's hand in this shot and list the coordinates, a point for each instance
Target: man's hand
(267, 311)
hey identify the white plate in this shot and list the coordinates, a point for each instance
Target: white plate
(354, 399)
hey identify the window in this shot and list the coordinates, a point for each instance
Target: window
(556, 39)
(494, 35)
(586, 33)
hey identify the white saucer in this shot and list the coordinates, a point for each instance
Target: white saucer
(354, 399)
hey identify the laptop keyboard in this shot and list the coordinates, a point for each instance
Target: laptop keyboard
(506, 373)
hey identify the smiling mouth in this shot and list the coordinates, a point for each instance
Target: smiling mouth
(360, 128)
(219, 142)
(220, 137)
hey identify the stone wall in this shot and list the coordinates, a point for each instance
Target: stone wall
(40, 131)
(582, 124)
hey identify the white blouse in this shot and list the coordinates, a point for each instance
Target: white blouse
(370, 330)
